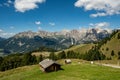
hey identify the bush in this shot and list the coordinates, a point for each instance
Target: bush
(118, 36)
(112, 53)
(109, 58)
(107, 49)
(119, 53)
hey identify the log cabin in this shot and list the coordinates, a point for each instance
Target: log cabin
(48, 65)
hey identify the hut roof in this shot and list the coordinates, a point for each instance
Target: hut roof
(47, 62)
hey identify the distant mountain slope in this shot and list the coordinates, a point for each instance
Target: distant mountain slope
(28, 41)
(25, 44)
(112, 45)
(82, 48)
(1, 39)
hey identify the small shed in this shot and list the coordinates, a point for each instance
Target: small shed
(48, 65)
(68, 61)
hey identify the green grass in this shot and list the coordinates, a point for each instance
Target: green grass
(74, 71)
(82, 48)
(113, 44)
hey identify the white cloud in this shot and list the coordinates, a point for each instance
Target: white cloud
(25, 5)
(5, 34)
(98, 14)
(52, 24)
(39, 28)
(12, 27)
(37, 22)
(8, 3)
(1, 30)
(103, 7)
(100, 25)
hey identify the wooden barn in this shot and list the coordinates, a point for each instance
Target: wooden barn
(68, 61)
(48, 65)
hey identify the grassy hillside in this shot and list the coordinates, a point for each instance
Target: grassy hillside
(113, 44)
(74, 71)
(82, 48)
(41, 53)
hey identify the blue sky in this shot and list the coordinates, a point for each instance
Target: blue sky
(56, 15)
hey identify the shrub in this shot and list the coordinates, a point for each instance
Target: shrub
(112, 53)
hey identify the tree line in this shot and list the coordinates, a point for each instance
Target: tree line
(17, 60)
(91, 55)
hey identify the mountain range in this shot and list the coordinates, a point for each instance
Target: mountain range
(1, 39)
(28, 41)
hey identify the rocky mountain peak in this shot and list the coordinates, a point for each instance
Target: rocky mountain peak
(28, 34)
(78, 35)
(26, 41)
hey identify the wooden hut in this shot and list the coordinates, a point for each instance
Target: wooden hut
(68, 61)
(49, 65)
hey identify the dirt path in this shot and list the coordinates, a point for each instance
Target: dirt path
(109, 65)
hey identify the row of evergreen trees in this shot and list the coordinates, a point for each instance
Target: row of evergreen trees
(63, 55)
(18, 60)
(92, 54)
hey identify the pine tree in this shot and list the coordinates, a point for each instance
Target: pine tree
(1, 59)
(118, 36)
(52, 56)
(40, 58)
(112, 53)
(62, 55)
(27, 59)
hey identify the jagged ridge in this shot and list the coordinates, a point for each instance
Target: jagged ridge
(27, 41)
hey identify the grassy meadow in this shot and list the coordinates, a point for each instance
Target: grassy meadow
(78, 70)
(82, 49)
(113, 44)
